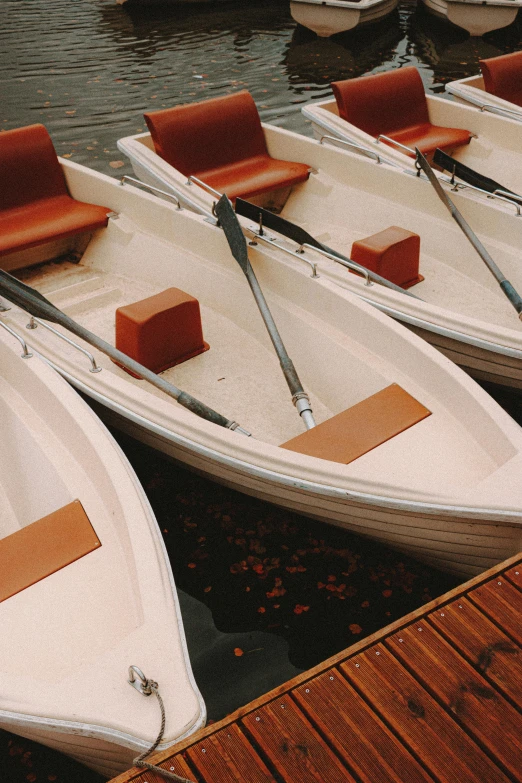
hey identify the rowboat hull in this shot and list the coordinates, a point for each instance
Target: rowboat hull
(494, 152)
(476, 17)
(338, 16)
(471, 92)
(346, 178)
(70, 637)
(405, 492)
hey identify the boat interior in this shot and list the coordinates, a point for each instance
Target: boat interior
(370, 214)
(62, 480)
(343, 353)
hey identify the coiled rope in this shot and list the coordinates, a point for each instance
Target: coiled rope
(147, 687)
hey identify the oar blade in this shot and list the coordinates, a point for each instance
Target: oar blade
(466, 174)
(276, 223)
(27, 298)
(233, 232)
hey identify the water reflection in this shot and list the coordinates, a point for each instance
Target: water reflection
(450, 51)
(311, 60)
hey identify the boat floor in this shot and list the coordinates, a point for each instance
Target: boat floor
(241, 378)
(444, 284)
(237, 376)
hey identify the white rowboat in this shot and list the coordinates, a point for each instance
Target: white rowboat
(91, 591)
(476, 16)
(328, 17)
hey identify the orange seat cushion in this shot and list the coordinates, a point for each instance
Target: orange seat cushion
(43, 547)
(162, 330)
(503, 76)
(359, 429)
(221, 142)
(35, 206)
(394, 104)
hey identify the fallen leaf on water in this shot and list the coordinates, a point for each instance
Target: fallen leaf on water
(261, 610)
(354, 628)
(387, 593)
(116, 164)
(238, 652)
(191, 565)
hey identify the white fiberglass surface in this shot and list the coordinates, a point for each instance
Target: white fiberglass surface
(240, 375)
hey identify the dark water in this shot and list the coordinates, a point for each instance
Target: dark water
(264, 593)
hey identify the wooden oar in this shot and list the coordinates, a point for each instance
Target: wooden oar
(505, 285)
(302, 237)
(37, 305)
(238, 247)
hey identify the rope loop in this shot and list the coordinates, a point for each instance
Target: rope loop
(147, 688)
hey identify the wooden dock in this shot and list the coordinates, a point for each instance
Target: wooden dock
(436, 696)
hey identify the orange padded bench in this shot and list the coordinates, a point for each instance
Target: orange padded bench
(503, 76)
(393, 253)
(161, 331)
(221, 142)
(35, 206)
(394, 104)
(361, 428)
(44, 547)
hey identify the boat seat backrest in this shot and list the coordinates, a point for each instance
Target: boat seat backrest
(394, 104)
(29, 168)
(221, 142)
(383, 102)
(503, 76)
(35, 205)
(199, 137)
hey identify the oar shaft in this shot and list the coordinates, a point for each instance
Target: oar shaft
(299, 395)
(505, 285)
(41, 308)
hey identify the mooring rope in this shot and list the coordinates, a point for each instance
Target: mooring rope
(147, 687)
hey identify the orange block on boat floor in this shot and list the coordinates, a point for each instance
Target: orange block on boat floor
(361, 428)
(393, 253)
(162, 330)
(44, 547)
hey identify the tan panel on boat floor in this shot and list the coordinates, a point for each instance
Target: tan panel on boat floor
(43, 547)
(351, 433)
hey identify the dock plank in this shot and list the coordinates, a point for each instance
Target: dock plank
(415, 716)
(501, 601)
(483, 644)
(228, 757)
(367, 746)
(440, 704)
(296, 751)
(479, 708)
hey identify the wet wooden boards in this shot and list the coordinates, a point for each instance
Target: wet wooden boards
(434, 696)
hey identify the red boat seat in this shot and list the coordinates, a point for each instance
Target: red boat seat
(394, 104)
(35, 206)
(221, 142)
(503, 76)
